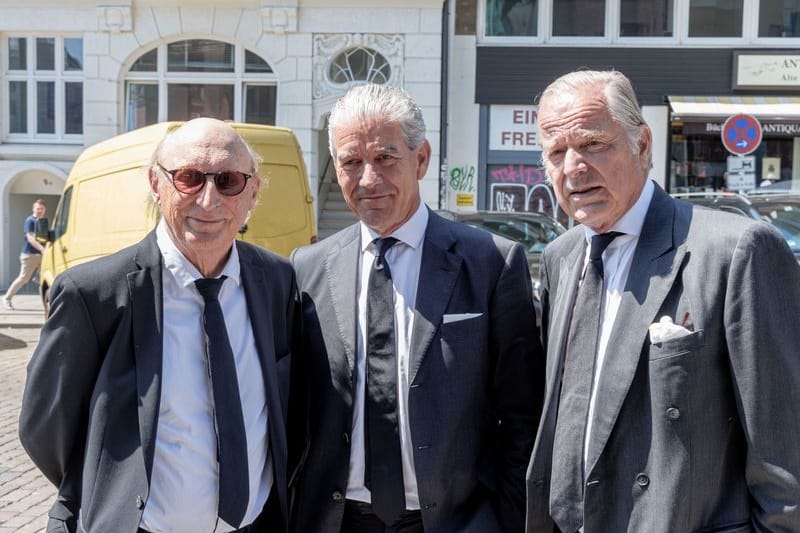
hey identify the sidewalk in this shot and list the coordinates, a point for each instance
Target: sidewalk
(25, 495)
(28, 312)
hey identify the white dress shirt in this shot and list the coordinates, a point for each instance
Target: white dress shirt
(617, 260)
(404, 259)
(185, 481)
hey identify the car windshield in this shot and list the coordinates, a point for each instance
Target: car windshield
(785, 216)
(534, 235)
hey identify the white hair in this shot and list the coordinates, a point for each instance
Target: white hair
(382, 102)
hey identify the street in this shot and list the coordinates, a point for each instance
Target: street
(25, 495)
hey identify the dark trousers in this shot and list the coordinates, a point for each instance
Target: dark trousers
(268, 521)
(359, 518)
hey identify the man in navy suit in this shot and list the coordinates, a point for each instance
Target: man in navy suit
(422, 415)
(143, 379)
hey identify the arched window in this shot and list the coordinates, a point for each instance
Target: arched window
(359, 64)
(199, 78)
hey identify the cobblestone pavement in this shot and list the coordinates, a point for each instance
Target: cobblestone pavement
(25, 495)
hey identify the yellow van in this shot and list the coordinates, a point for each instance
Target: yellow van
(105, 203)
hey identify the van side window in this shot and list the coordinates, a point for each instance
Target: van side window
(62, 218)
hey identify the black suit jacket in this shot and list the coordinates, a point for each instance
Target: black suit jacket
(91, 402)
(476, 371)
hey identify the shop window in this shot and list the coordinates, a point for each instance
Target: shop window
(779, 18)
(359, 64)
(199, 78)
(646, 18)
(43, 88)
(590, 23)
(715, 18)
(512, 17)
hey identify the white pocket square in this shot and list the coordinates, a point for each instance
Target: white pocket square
(666, 330)
(457, 317)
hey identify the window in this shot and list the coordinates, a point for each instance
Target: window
(199, 78)
(43, 82)
(715, 18)
(779, 18)
(359, 64)
(512, 17)
(646, 18)
(579, 18)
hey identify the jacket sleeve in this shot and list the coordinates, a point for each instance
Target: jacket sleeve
(762, 329)
(518, 385)
(61, 376)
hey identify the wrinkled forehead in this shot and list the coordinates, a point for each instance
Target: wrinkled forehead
(563, 117)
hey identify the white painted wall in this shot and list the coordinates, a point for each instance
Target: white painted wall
(657, 117)
(464, 123)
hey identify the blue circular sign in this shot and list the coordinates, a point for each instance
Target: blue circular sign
(741, 134)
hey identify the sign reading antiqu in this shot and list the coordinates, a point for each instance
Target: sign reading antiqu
(766, 70)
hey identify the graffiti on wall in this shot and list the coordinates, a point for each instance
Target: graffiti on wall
(520, 188)
(462, 179)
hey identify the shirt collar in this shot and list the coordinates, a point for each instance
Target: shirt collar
(184, 272)
(632, 221)
(411, 233)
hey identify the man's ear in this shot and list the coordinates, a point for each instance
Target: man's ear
(153, 179)
(423, 159)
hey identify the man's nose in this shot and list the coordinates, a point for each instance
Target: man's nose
(370, 175)
(574, 162)
(209, 195)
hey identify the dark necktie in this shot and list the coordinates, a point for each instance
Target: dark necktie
(383, 474)
(234, 477)
(567, 480)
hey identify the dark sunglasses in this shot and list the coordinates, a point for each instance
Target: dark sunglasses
(191, 180)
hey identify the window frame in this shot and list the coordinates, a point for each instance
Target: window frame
(612, 37)
(238, 79)
(31, 76)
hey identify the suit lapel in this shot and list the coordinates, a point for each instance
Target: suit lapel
(341, 267)
(144, 287)
(569, 270)
(655, 265)
(258, 298)
(439, 269)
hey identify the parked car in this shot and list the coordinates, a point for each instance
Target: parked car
(780, 209)
(531, 229)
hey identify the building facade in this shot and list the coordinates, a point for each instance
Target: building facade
(693, 63)
(76, 72)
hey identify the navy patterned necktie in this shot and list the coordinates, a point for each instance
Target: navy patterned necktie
(567, 479)
(234, 477)
(383, 473)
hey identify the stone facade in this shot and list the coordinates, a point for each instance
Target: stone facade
(296, 38)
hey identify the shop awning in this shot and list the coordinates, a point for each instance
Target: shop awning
(763, 107)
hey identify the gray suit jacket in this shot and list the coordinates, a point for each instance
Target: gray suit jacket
(699, 433)
(475, 396)
(91, 402)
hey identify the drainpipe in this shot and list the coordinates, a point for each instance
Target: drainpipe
(443, 123)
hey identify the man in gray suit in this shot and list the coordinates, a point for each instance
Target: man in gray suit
(423, 373)
(154, 400)
(672, 388)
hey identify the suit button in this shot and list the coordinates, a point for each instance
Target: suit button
(430, 505)
(673, 413)
(139, 502)
(337, 496)
(642, 480)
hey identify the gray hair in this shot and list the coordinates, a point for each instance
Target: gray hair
(619, 95)
(382, 102)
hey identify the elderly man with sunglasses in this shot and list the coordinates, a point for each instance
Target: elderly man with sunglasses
(155, 397)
